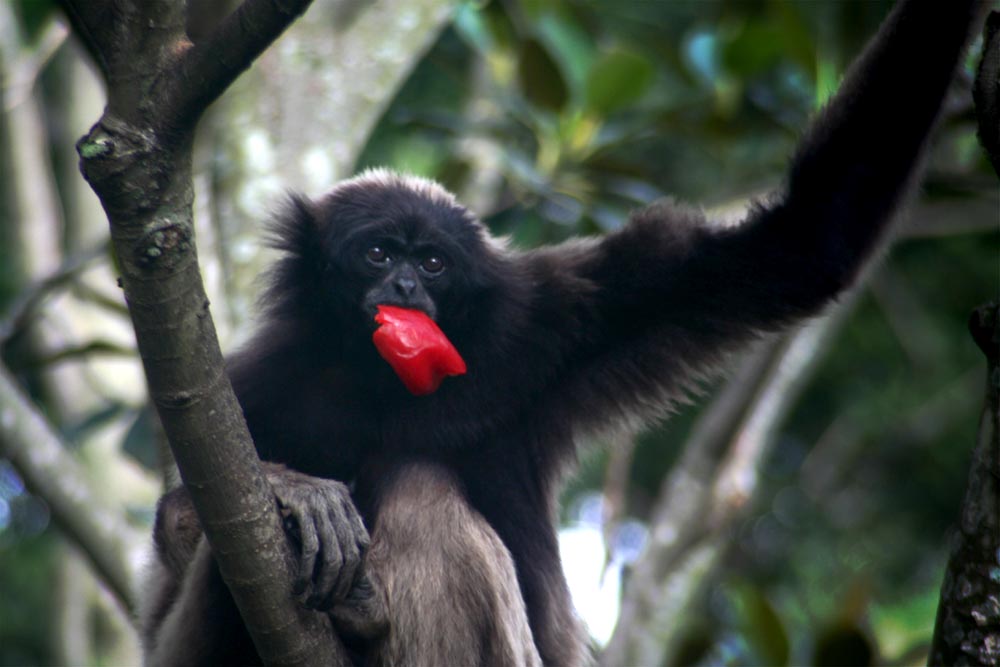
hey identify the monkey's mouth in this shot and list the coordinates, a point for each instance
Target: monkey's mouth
(371, 309)
(414, 346)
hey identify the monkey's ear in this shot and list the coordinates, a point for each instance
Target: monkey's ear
(296, 229)
(292, 282)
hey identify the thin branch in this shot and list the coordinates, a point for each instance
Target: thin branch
(91, 21)
(677, 529)
(209, 67)
(710, 489)
(88, 350)
(21, 310)
(838, 450)
(777, 393)
(89, 294)
(616, 486)
(25, 74)
(974, 214)
(41, 458)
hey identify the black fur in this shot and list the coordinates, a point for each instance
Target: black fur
(570, 339)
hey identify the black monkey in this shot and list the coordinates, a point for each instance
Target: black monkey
(559, 342)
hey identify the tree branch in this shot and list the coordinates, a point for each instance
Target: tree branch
(710, 489)
(137, 158)
(41, 458)
(90, 22)
(18, 314)
(208, 67)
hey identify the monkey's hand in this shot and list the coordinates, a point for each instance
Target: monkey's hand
(322, 522)
(364, 614)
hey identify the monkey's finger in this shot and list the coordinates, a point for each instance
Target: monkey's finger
(328, 566)
(350, 552)
(351, 526)
(361, 536)
(307, 556)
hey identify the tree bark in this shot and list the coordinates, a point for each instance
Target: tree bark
(967, 630)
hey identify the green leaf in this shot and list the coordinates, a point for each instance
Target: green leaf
(485, 29)
(617, 80)
(541, 81)
(570, 44)
(34, 15)
(762, 626)
(756, 48)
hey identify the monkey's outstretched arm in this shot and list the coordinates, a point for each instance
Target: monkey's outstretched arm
(669, 291)
(850, 171)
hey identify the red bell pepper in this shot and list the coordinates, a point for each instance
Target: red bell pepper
(416, 349)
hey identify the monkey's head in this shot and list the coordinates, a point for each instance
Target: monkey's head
(382, 238)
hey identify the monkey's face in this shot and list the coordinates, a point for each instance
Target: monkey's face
(403, 243)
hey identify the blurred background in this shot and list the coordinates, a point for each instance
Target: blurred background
(802, 503)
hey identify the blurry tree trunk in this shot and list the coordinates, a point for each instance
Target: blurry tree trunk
(709, 490)
(51, 228)
(72, 638)
(36, 226)
(72, 96)
(36, 215)
(967, 631)
(50, 471)
(84, 630)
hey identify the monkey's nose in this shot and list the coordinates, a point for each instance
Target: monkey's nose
(406, 286)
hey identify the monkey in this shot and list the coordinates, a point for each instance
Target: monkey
(561, 342)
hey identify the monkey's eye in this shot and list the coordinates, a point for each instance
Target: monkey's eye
(432, 264)
(377, 255)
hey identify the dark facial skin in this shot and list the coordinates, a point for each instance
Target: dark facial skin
(403, 276)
